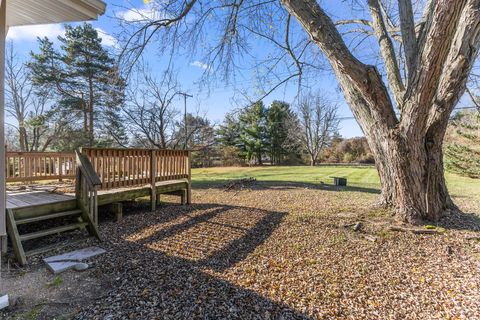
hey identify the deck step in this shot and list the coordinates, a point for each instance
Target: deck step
(47, 232)
(54, 246)
(49, 216)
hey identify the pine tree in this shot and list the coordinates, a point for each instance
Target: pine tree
(281, 140)
(228, 139)
(462, 145)
(253, 136)
(82, 74)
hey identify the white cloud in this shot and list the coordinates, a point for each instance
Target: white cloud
(52, 31)
(107, 39)
(139, 14)
(30, 33)
(200, 65)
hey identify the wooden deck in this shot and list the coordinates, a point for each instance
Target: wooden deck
(21, 201)
(103, 177)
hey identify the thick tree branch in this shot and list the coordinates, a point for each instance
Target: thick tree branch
(464, 50)
(407, 26)
(388, 53)
(358, 81)
(434, 57)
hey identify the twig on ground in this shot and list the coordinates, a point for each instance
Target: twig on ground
(415, 230)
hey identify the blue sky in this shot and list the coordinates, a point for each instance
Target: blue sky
(221, 97)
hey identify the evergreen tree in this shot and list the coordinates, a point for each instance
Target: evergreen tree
(281, 140)
(228, 139)
(83, 75)
(462, 144)
(229, 132)
(253, 136)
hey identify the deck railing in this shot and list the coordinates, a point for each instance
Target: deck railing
(132, 167)
(33, 166)
(86, 186)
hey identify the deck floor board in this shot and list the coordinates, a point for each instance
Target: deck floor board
(22, 199)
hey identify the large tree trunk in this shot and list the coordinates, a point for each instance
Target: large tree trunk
(411, 174)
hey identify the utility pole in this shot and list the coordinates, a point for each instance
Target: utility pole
(185, 96)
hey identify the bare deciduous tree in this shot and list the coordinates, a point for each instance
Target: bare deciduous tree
(319, 122)
(439, 46)
(19, 92)
(149, 109)
(29, 108)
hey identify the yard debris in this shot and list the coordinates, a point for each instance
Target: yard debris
(357, 226)
(240, 184)
(370, 237)
(418, 230)
(477, 238)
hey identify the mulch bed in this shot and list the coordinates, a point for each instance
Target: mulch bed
(284, 252)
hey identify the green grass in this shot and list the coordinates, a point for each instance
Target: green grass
(56, 281)
(358, 176)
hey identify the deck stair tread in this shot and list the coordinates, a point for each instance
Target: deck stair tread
(54, 246)
(47, 232)
(49, 216)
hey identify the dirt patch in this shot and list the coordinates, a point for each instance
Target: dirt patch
(38, 294)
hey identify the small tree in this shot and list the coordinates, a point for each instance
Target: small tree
(319, 122)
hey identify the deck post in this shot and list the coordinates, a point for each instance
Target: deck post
(189, 170)
(60, 169)
(118, 210)
(153, 175)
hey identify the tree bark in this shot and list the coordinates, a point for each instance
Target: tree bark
(22, 136)
(412, 176)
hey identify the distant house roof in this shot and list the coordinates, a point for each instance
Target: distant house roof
(28, 12)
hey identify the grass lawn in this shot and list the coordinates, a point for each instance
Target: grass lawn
(358, 176)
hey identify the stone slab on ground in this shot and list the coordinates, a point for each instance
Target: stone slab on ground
(3, 302)
(63, 262)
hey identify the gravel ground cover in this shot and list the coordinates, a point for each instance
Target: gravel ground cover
(283, 250)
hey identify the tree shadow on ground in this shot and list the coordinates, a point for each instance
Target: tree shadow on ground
(458, 220)
(284, 185)
(173, 264)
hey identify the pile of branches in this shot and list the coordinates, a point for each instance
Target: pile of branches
(240, 184)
